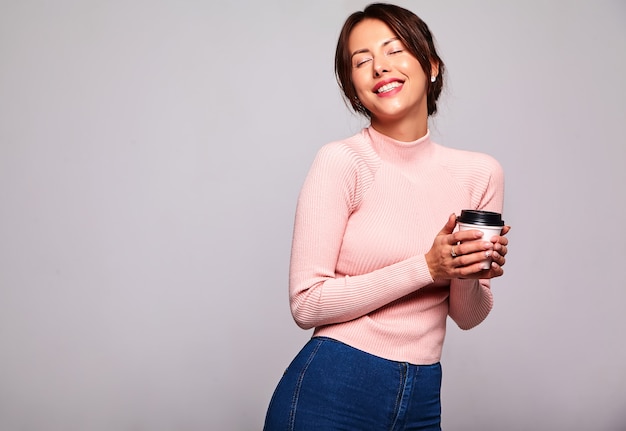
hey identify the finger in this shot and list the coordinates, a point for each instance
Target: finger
(499, 240)
(467, 235)
(471, 247)
(449, 226)
(472, 260)
(495, 270)
(457, 257)
(505, 230)
(499, 243)
(476, 270)
(498, 258)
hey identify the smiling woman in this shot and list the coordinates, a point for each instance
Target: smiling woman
(377, 261)
(389, 81)
(412, 34)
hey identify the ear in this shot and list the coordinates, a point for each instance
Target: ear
(434, 68)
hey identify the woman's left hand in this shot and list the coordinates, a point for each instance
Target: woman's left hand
(498, 254)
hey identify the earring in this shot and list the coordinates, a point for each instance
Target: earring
(433, 78)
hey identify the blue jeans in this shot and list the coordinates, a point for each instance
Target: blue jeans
(331, 386)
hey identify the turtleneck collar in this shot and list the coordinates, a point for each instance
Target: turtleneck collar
(394, 151)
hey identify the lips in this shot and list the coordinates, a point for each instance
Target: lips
(387, 86)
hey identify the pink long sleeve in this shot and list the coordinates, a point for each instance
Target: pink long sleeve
(471, 300)
(367, 213)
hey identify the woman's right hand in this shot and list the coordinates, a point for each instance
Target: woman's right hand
(459, 255)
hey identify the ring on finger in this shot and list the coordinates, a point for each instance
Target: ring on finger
(453, 253)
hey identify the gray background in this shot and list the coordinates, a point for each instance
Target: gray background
(151, 153)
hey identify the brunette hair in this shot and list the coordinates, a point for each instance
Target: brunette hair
(412, 32)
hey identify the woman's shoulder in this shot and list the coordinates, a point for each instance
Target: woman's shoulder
(355, 144)
(464, 159)
(354, 150)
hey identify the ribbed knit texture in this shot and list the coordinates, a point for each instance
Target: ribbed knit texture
(367, 214)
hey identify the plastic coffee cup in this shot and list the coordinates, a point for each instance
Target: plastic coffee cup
(488, 222)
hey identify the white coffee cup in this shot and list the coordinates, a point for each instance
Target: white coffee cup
(488, 222)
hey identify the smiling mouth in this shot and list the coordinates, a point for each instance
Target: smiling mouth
(388, 87)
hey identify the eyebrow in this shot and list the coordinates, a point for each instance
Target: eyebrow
(385, 43)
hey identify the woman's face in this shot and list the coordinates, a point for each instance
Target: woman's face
(388, 79)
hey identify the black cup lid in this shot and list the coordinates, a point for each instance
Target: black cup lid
(482, 218)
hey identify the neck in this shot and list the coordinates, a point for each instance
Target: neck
(405, 129)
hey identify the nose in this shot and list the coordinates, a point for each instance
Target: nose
(380, 66)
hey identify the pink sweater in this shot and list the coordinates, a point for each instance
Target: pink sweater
(367, 214)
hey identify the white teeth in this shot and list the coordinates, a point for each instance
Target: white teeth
(388, 87)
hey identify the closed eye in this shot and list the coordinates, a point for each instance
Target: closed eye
(361, 62)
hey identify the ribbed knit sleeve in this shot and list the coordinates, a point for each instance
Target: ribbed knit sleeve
(472, 300)
(334, 187)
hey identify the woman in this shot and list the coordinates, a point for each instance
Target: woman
(372, 269)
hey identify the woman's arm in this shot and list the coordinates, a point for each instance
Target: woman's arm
(318, 296)
(471, 300)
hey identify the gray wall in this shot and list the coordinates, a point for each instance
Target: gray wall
(151, 153)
